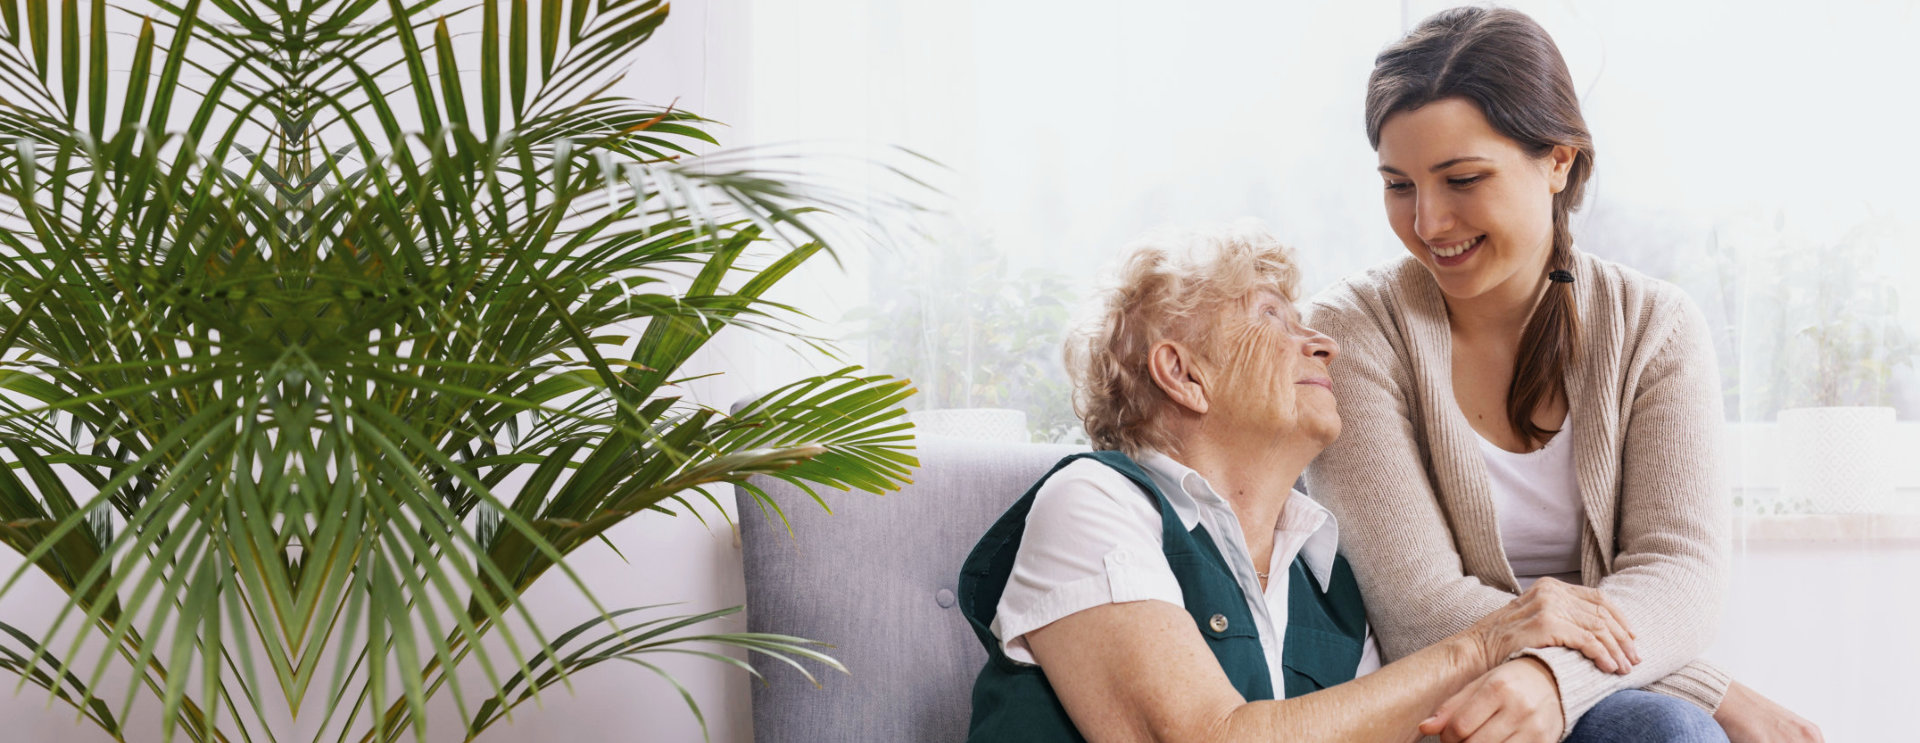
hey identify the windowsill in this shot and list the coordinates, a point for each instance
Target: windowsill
(1845, 527)
(1754, 454)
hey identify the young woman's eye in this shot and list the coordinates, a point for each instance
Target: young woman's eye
(1399, 186)
(1464, 181)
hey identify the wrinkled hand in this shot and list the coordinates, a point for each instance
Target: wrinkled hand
(1554, 613)
(1750, 718)
(1518, 702)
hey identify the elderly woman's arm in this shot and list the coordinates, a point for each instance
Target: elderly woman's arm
(1140, 671)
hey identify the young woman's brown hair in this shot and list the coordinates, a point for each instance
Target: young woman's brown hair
(1508, 66)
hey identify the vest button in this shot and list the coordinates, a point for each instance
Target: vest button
(1218, 623)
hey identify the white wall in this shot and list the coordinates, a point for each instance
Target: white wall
(1826, 628)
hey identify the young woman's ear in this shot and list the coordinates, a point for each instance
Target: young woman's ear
(1559, 163)
(1176, 374)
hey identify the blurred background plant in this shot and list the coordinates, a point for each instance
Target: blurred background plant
(1822, 324)
(1820, 344)
(971, 332)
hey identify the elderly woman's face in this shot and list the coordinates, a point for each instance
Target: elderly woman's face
(1275, 367)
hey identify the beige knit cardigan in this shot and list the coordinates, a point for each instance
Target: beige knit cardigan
(1407, 482)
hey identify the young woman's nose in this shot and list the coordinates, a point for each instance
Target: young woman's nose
(1432, 216)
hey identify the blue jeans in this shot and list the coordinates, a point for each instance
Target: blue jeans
(1646, 717)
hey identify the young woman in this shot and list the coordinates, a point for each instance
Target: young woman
(1517, 410)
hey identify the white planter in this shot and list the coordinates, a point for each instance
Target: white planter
(1838, 459)
(980, 424)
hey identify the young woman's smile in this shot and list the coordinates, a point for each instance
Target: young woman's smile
(1455, 253)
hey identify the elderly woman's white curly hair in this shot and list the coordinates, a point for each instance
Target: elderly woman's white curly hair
(1170, 287)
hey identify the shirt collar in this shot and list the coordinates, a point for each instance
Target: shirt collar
(1180, 484)
(1323, 542)
(1185, 490)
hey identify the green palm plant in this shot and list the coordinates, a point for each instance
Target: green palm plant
(320, 343)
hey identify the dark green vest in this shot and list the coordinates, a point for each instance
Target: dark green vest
(1326, 626)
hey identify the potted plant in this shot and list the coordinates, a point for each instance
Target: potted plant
(321, 343)
(1838, 338)
(981, 342)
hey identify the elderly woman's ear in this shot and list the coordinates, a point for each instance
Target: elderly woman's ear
(1176, 371)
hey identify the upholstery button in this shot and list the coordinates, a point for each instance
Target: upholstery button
(1218, 622)
(944, 598)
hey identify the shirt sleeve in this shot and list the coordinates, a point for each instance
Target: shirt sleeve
(1092, 538)
(1369, 656)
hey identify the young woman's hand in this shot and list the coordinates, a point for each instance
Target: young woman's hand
(1556, 613)
(1750, 718)
(1518, 702)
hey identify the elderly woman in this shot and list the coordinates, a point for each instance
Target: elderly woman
(1173, 585)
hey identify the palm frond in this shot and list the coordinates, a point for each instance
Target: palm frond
(319, 340)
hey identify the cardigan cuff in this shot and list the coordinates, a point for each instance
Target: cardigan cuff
(1582, 685)
(1698, 682)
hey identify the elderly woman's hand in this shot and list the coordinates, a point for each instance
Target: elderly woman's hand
(1556, 613)
(1517, 702)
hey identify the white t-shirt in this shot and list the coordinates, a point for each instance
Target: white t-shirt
(1093, 538)
(1536, 500)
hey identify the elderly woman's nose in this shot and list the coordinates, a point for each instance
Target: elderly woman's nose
(1320, 345)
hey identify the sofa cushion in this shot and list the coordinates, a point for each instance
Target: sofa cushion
(876, 579)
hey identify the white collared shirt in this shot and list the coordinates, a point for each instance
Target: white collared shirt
(1093, 539)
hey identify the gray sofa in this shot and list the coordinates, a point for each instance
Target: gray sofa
(876, 579)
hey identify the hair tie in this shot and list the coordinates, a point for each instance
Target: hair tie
(1560, 276)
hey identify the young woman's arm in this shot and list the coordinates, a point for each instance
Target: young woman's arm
(1402, 548)
(1374, 480)
(1670, 561)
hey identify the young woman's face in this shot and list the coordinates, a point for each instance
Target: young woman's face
(1469, 203)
